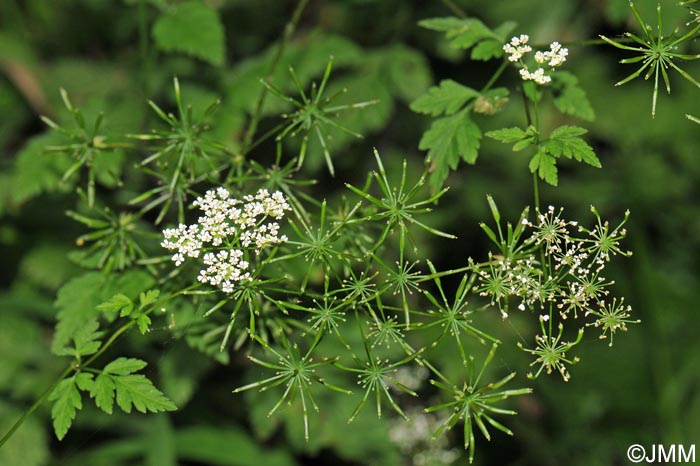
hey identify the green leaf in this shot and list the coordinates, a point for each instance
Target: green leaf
(103, 393)
(546, 167)
(569, 97)
(67, 402)
(464, 33)
(85, 340)
(446, 99)
(148, 297)
(508, 135)
(143, 322)
(78, 300)
(448, 140)
(564, 141)
(138, 391)
(192, 28)
(493, 48)
(124, 366)
(118, 303)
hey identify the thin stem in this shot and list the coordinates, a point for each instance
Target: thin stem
(288, 31)
(495, 76)
(36, 404)
(536, 188)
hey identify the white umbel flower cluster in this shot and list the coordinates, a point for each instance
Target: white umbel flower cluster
(227, 230)
(555, 56)
(517, 47)
(573, 284)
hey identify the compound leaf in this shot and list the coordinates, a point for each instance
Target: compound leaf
(565, 141)
(448, 140)
(447, 98)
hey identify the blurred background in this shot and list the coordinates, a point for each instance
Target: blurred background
(110, 57)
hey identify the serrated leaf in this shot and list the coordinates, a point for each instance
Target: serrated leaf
(448, 140)
(507, 135)
(567, 131)
(545, 166)
(67, 402)
(143, 322)
(85, 339)
(192, 28)
(103, 393)
(565, 141)
(447, 98)
(84, 381)
(78, 300)
(148, 297)
(493, 48)
(569, 97)
(124, 366)
(118, 303)
(138, 391)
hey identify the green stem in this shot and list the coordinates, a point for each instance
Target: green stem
(536, 188)
(288, 31)
(495, 76)
(36, 404)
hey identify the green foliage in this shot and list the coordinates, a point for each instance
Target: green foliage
(446, 99)
(78, 300)
(569, 97)
(193, 28)
(67, 402)
(465, 33)
(118, 378)
(562, 141)
(449, 140)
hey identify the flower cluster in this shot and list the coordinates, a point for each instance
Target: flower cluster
(555, 56)
(226, 233)
(560, 272)
(517, 47)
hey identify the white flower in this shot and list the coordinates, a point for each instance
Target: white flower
(555, 56)
(517, 48)
(229, 227)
